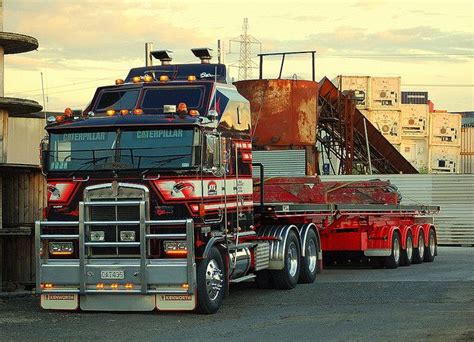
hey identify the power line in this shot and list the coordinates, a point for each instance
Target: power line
(438, 85)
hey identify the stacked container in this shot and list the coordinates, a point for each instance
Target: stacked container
(445, 143)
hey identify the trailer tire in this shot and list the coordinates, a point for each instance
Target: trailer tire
(287, 278)
(210, 282)
(419, 253)
(309, 263)
(393, 260)
(407, 253)
(430, 252)
(264, 279)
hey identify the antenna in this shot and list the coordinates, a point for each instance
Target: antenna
(44, 101)
(246, 65)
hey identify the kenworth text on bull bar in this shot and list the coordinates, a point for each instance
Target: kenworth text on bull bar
(152, 204)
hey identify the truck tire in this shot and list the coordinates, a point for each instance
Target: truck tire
(309, 263)
(419, 253)
(210, 282)
(287, 278)
(430, 252)
(393, 260)
(407, 253)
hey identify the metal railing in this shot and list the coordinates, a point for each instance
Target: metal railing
(145, 236)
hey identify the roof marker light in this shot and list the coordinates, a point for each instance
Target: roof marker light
(164, 78)
(182, 108)
(191, 78)
(137, 79)
(124, 112)
(110, 112)
(148, 78)
(59, 118)
(194, 112)
(68, 113)
(119, 81)
(138, 111)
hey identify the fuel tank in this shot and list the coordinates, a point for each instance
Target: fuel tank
(284, 112)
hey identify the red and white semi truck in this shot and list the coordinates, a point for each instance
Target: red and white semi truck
(152, 202)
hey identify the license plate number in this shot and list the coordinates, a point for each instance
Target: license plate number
(112, 275)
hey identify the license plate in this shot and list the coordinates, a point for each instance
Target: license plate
(112, 275)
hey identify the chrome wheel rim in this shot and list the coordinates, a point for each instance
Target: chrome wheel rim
(421, 245)
(292, 259)
(432, 244)
(311, 256)
(396, 250)
(214, 279)
(409, 247)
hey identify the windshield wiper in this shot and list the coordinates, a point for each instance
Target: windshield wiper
(86, 165)
(159, 163)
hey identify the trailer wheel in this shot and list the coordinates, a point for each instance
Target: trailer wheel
(407, 253)
(287, 278)
(393, 260)
(309, 263)
(430, 252)
(210, 282)
(419, 253)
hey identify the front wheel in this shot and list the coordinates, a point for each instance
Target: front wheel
(287, 278)
(210, 282)
(309, 263)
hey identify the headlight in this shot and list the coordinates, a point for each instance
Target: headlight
(61, 248)
(175, 247)
(97, 235)
(127, 235)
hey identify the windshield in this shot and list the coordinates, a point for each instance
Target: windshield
(155, 99)
(122, 150)
(123, 99)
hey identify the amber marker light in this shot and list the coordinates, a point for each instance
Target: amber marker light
(124, 112)
(119, 81)
(138, 111)
(100, 286)
(129, 286)
(182, 107)
(114, 286)
(68, 112)
(137, 79)
(164, 78)
(148, 78)
(191, 78)
(110, 112)
(47, 286)
(193, 112)
(185, 286)
(59, 118)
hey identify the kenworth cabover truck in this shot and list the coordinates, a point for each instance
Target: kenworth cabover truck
(152, 203)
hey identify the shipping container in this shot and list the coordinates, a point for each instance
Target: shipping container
(359, 85)
(445, 129)
(467, 150)
(388, 123)
(415, 97)
(416, 152)
(415, 120)
(385, 93)
(444, 159)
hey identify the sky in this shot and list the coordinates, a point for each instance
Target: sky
(84, 44)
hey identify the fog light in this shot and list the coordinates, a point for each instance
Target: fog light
(61, 248)
(98, 235)
(127, 235)
(175, 248)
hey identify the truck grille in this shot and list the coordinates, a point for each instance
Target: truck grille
(112, 233)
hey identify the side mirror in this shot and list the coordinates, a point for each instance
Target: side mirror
(44, 156)
(212, 115)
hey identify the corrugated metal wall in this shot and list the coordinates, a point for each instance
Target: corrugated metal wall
(281, 163)
(454, 193)
(467, 150)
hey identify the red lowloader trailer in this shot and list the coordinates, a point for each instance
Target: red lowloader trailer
(152, 203)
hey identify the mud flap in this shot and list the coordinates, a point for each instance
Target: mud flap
(60, 301)
(181, 302)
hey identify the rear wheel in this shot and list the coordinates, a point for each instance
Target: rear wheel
(287, 278)
(407, 253)
(309, 263)
(430, 252)
(393, 261)
(210, 282)
(419, 253)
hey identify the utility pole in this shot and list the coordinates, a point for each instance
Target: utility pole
(246, 65)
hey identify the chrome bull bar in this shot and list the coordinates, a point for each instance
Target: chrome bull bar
(73, 274)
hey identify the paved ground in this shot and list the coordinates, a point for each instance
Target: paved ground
(432, 301)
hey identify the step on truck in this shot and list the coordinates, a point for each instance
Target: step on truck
(152, 202)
